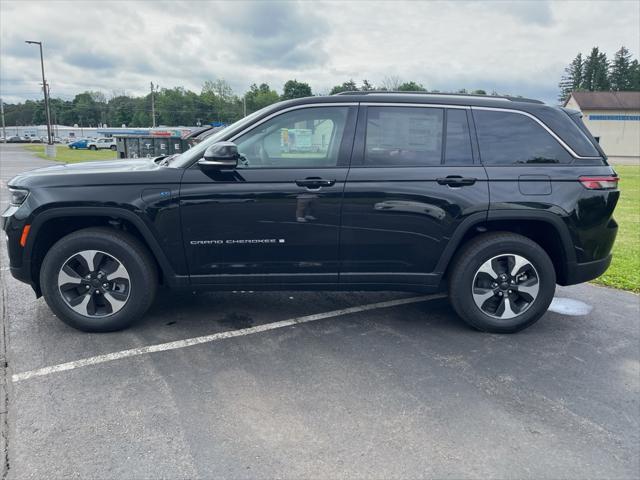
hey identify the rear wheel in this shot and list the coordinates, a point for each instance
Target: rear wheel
(113, 147)
(501, 282)
(98, 279)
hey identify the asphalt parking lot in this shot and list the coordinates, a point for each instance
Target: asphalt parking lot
(401, 389)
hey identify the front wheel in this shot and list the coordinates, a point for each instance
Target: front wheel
(98, 279)
(112, 147)
(92, 147)
(501, 282)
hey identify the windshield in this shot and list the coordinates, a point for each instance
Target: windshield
(197, 151)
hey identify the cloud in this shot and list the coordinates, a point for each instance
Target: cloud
(277, 34)
(530, 11)
(92, 60)
(518, 47)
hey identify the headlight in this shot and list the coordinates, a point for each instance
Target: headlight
(18, 195)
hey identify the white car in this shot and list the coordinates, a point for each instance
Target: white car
(102, 144)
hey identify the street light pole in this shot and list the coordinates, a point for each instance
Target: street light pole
(45, 87)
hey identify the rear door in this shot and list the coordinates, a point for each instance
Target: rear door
(414, 179)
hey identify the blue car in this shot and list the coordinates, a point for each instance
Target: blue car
(79, 144)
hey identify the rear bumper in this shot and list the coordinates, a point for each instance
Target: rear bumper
(583, 272)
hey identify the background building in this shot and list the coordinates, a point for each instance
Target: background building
(613, 118)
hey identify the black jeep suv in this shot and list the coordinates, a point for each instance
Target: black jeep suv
(495, 198)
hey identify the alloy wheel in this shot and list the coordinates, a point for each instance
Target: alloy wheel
(505, 286)
(94, 283)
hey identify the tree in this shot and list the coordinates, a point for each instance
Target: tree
(391, 83)
(349, 86)
(87, 113)
(596, 68)
(366, 86)
(295, 89)
(573, 78)
(411, 87)
(219, 102)
(219, 88)
(121, 110)
(259, 97)
(620, 73)
(142, 117)
(634, 76)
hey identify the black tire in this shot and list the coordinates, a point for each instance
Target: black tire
(112, 147)
(93, 147)
(132, 255)
(467, 264)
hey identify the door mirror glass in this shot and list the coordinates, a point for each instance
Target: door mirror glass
(220, 155)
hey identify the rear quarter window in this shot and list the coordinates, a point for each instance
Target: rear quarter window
(507, 138)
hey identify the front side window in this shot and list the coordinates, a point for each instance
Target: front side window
(308, 137)
(403, 136)
(510, 138)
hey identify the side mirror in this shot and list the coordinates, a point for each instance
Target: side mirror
(221, 155)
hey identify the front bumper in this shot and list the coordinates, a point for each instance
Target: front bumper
(18, 264)
(583, 272)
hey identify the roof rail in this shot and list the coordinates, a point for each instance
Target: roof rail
(442, 94)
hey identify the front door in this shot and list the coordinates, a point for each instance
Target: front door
(274, 219)
(413, 180)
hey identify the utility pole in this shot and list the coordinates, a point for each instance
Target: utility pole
(48, 106)
(4, 131)
(244, 105)
(46, 92)
(153, 108)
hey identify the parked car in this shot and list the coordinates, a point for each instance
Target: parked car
(102, 144)
(17, 139)
(80, 143)
(494, 199)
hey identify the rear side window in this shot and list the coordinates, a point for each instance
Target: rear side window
(403, 136)
(509, 138)
(458, 144)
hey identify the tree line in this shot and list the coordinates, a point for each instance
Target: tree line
(216, 102)
(596, 73)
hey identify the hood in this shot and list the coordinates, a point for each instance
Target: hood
(139, 170)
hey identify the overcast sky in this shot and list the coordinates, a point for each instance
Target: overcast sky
(516, 47)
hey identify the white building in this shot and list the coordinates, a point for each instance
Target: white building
(60, 131)
(613, 118)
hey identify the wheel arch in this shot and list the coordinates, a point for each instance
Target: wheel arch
(51, 225)
(545, 228)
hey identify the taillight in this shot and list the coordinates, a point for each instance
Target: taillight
(600, 183)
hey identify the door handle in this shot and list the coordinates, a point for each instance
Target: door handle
(315, 183)
(456, 181)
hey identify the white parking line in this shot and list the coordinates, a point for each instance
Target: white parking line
(188, 342)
